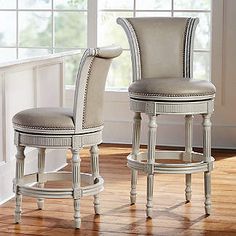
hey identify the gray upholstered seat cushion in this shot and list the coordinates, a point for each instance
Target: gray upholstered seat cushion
(172, 89)
(43, 120)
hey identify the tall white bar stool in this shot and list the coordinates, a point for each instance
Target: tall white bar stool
(63, 128)
(162, 60)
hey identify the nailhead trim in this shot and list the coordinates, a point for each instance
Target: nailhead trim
(42, 128)
(173, 95)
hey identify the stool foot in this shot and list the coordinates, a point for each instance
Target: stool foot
(77, 218)
(40, 203)
(132, 198)
(133, 194)
(149, 205)
(17, 217)
(149, 211)
(208, 210)
(18, 208)
(207, 181)
(96, 204)
(188, 191)
(77, 223)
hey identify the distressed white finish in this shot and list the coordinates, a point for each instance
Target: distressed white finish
(93, 68)
(41, 169)
(188, 153)
(95, 174)
(135, 151)
(152, 161)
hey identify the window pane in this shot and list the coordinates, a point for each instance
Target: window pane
(153, 5)
(7, 54)
(192, 4)
(120, 73)
(70, 29)
(117, 4)
(70, 4)
(202, 37)
(31, 52)
(8, 31)
(109, 32)
(35, 29)
(71, 68)
(154, 14)
(34, 4)
(201, 66)
(9, 4)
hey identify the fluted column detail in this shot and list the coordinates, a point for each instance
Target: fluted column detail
(135, 150)
(20, 157)
(76, 186)
(95, 172)
(188, 153)
(41, 169)
(150, 163)
(207, 157)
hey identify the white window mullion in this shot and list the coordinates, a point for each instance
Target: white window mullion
(172, 8)
(92, 16)
(17, 30)
(134, 10)
(53, 28)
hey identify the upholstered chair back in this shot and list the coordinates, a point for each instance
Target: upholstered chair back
(160, 46)
(90, 85)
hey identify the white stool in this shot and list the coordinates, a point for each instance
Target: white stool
(161, 51)
(66, 129)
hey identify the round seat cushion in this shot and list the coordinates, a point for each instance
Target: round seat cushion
(44, 120)
(173, 89)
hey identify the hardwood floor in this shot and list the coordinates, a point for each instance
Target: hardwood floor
(171, 215)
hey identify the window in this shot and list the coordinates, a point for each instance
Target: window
(39, 27)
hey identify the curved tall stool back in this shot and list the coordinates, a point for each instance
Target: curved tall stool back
(162, 53)
(66, 129)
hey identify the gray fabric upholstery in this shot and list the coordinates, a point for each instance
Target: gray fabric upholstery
(38, 119)
(93, 112)
(164, 88)
(161, 44)
(90, 85)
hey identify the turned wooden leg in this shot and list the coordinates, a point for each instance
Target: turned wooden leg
(188, 154)
(135, 151)
(95, 172)
(207, 158)
(150, 163)
(76, 186)
(188, 190)
(20, 157)
(41, 168)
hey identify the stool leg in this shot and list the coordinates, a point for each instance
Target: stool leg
(150, 163)
(95, 172)
(135, 151)
(76, 186)
(41, 168)
(188, 153)
(207, 157)
(20, 157)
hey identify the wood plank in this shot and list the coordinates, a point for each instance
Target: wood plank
(171, 215)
